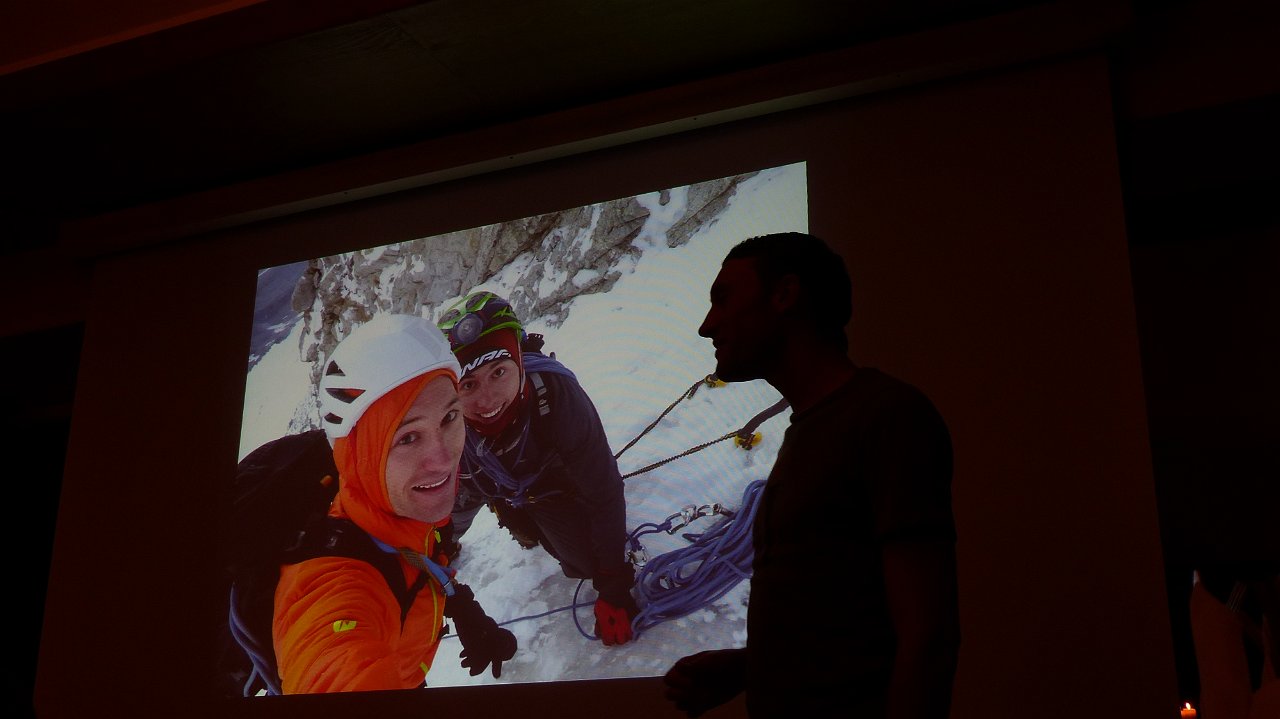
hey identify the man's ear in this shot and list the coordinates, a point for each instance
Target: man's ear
(786, 294)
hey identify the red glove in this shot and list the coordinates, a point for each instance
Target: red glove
(613, 623)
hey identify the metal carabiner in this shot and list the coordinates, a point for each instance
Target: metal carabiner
(687, 514)
(707, 510)
(638, 557)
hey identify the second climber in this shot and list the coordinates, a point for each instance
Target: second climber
(536, 453)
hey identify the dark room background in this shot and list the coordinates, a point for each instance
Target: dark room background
(177, 128)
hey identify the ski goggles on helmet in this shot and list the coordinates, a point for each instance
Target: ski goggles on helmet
(475, 316)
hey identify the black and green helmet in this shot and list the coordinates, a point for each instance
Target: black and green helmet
(475, 316)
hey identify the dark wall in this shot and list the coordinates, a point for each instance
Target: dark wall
(42, 366)
(1194, 89)
(1205, 242)
(983, 221)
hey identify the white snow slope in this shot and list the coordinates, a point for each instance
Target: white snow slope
(636, 350)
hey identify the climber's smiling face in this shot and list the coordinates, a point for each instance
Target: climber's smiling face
(488, 391)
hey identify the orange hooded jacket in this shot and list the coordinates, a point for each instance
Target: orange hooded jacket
(337, 625)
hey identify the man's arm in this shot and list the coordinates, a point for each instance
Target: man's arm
(921, 588)
(588, 461)
(315, 658)
(917, 536)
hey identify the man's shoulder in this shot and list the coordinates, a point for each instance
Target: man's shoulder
(875, 394)
(561, 410)
(339, 582)
(562, 404)
(553, 375)
(875, 383)
(546, 365)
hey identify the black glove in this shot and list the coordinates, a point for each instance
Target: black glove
(483, 641)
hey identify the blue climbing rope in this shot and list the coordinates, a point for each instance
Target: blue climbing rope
(260, 654)
(549, 612)
(682, 581)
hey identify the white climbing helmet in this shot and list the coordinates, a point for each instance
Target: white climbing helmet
(374, 359)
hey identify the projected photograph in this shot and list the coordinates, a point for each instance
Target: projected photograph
(614, 292)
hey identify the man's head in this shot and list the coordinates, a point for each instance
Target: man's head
(769, 286)
(390, 407)
(485, 335)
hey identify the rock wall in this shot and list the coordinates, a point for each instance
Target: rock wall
(545, 261)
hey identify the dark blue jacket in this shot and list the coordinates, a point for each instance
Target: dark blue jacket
(554, 464)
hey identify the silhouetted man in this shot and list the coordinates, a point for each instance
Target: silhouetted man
(853, 606)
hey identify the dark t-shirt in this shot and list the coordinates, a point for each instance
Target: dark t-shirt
(869, 464)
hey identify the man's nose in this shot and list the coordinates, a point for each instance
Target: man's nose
(704, 329)
(436, 454)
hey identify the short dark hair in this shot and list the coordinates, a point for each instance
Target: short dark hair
(826, 291)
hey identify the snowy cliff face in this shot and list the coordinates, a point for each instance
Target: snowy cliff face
(620, 290)
(541, 264)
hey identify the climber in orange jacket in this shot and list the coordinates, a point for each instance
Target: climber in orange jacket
(391, 412)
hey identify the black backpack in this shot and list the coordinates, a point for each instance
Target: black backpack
(281, 497)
